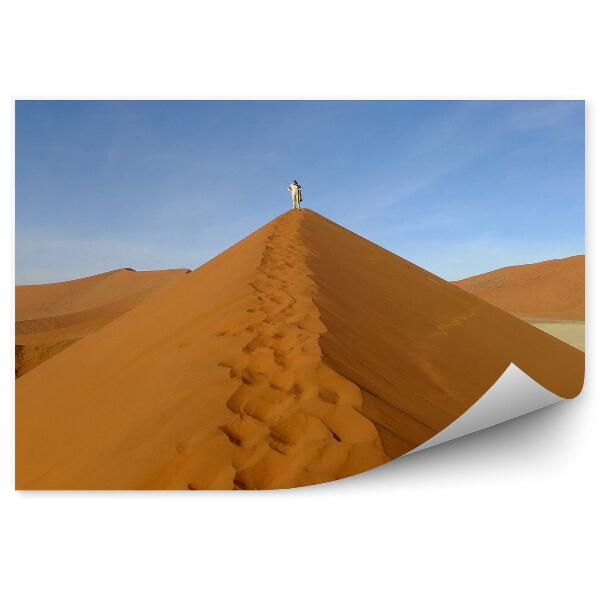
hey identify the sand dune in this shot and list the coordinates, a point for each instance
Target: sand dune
(300, 355)
(549, 290)
(51, 317)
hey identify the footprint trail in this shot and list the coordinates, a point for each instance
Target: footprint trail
(294, 419)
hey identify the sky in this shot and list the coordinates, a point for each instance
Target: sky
(459, 187)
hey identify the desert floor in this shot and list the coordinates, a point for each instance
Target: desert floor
(571, 332)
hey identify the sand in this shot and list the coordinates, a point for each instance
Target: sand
(303, 354)
(51, 317)
(549, 290)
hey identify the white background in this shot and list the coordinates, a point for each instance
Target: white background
(506, 513)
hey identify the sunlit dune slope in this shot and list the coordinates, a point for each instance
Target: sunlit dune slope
(50, 317)
(553, 289)
(300, 355)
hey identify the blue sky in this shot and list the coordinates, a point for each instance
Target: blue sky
(457, 187)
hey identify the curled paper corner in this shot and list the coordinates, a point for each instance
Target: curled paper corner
(514, 394)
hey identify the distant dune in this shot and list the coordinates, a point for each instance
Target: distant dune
(549, 290)
(300, 355)
(51, 317)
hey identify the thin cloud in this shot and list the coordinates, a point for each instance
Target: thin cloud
(157, 185)
(540, 115)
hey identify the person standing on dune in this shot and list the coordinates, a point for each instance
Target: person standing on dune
(296, 190)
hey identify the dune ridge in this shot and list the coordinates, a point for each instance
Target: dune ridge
(302, 354)
(547, 290)
(86, 293)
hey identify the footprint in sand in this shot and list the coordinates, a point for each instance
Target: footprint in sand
(294, 419)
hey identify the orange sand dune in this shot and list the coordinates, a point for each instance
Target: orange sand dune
(553, 289)
(51, 317)
(300, 355)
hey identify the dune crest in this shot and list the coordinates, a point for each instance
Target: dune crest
(87, 293)
(302, 354)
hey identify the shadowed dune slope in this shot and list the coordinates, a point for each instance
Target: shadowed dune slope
(420, 349)
(553, 289)
(300, 355)
(52, 316)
